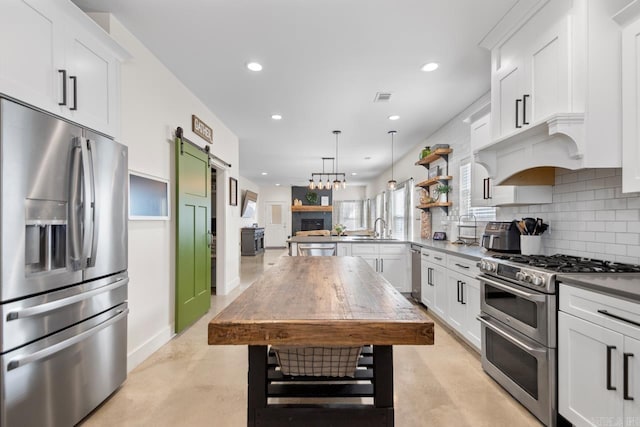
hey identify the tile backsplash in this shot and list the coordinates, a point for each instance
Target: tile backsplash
(589, 216)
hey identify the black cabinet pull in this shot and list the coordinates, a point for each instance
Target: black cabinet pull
(524, 109)
(64, 87)
(484, 189)
(518, 101)
(75, 93)
(609, 348)
(615, 316)
(462, 266)
(459, 299)
(625, 386)
(462, 301)
(429, 276)
(488, 188)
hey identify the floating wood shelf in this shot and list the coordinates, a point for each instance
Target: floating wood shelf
(438, 153)
(434, 180)
(435, 205)
(311, 208)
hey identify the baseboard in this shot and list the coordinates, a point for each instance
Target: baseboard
(153, 344)
(230, 286)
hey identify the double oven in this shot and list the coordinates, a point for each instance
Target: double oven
(519, 324)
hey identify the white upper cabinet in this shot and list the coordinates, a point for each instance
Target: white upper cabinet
(56, 58)
(629, 19)
(555, 89)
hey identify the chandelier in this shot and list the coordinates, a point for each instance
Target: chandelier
(339, 178)
(391, 184)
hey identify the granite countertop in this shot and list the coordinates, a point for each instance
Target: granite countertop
(626, 285)
(470, 252)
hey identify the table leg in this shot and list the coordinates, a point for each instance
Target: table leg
(257, 382)
(383, 379)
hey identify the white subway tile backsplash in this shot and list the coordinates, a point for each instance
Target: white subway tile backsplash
(615, 203)
(606, 215)
(628, 238)
(616, 226)
(628, 215)
(604, 173)
(589, 216)
(614, 249)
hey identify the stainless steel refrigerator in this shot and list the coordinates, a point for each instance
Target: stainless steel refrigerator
(63, 268)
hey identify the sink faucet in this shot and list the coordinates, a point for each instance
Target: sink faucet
(382, 230)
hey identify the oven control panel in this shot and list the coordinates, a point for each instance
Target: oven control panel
(529, 277)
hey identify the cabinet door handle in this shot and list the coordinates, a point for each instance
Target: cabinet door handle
(438, 258)
(485, 196)
(429, 276)
(609, 348)
(615, 316)
(75, 92)
(524, 109)
(377, 265)
(462, 266)
(64, 87)
(458, 298)
(382, 265)
(462, 301)
(625, 386)
(488, 188)
(518, 101)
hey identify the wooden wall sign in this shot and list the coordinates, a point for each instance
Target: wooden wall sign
(201, 129)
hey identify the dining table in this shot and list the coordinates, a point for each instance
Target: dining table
(324, 302)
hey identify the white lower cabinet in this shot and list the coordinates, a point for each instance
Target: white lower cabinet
(389, 259)
(464, 299)
(427, 291)
(344, 249)
(598, 359)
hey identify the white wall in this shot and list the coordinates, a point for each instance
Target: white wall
(154, 103)
(352, 192)
(244, 184)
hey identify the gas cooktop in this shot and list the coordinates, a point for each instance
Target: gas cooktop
(539, 271)
(571, 264)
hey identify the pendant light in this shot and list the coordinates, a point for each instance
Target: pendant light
(391, 185)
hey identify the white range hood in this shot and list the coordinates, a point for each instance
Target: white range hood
(529, 156)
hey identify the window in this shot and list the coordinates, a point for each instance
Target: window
(481, 213)
(400, 210)
(350, 213)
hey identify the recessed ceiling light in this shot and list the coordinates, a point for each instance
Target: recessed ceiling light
(265, 173)
(431, 66)
(254, 66)
(394, 117)
(276, 117)
(354, 173)
(277, 185)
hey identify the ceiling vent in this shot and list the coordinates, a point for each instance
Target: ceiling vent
(382, 97)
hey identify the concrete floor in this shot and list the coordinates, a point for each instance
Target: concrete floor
(189, 383)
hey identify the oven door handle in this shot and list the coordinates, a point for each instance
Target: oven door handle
(526, 295)
(485, 321)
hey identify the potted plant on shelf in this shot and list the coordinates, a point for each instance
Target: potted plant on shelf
(442, 190)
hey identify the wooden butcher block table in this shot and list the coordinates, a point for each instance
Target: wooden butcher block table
(321, 302)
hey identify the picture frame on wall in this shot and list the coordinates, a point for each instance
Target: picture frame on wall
(233, 192)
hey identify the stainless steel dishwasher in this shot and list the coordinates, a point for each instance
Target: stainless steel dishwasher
(317, 249)
(416, 278)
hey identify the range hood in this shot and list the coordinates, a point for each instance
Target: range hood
(530, 156)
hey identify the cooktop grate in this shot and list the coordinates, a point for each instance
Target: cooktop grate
(570, 264)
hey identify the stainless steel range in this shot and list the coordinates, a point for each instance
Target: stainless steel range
(519, 323)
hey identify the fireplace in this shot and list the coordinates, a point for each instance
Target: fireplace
(308, 224)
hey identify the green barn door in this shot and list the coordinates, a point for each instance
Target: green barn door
(193, 251)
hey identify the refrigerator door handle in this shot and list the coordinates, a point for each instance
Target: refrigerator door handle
(94, 208)
(56, 348)
(55, 305)
(75, 226)
(88, 204)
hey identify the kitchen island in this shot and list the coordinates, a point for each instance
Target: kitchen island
(320, 302)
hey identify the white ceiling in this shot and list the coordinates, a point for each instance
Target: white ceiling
(323, 63)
